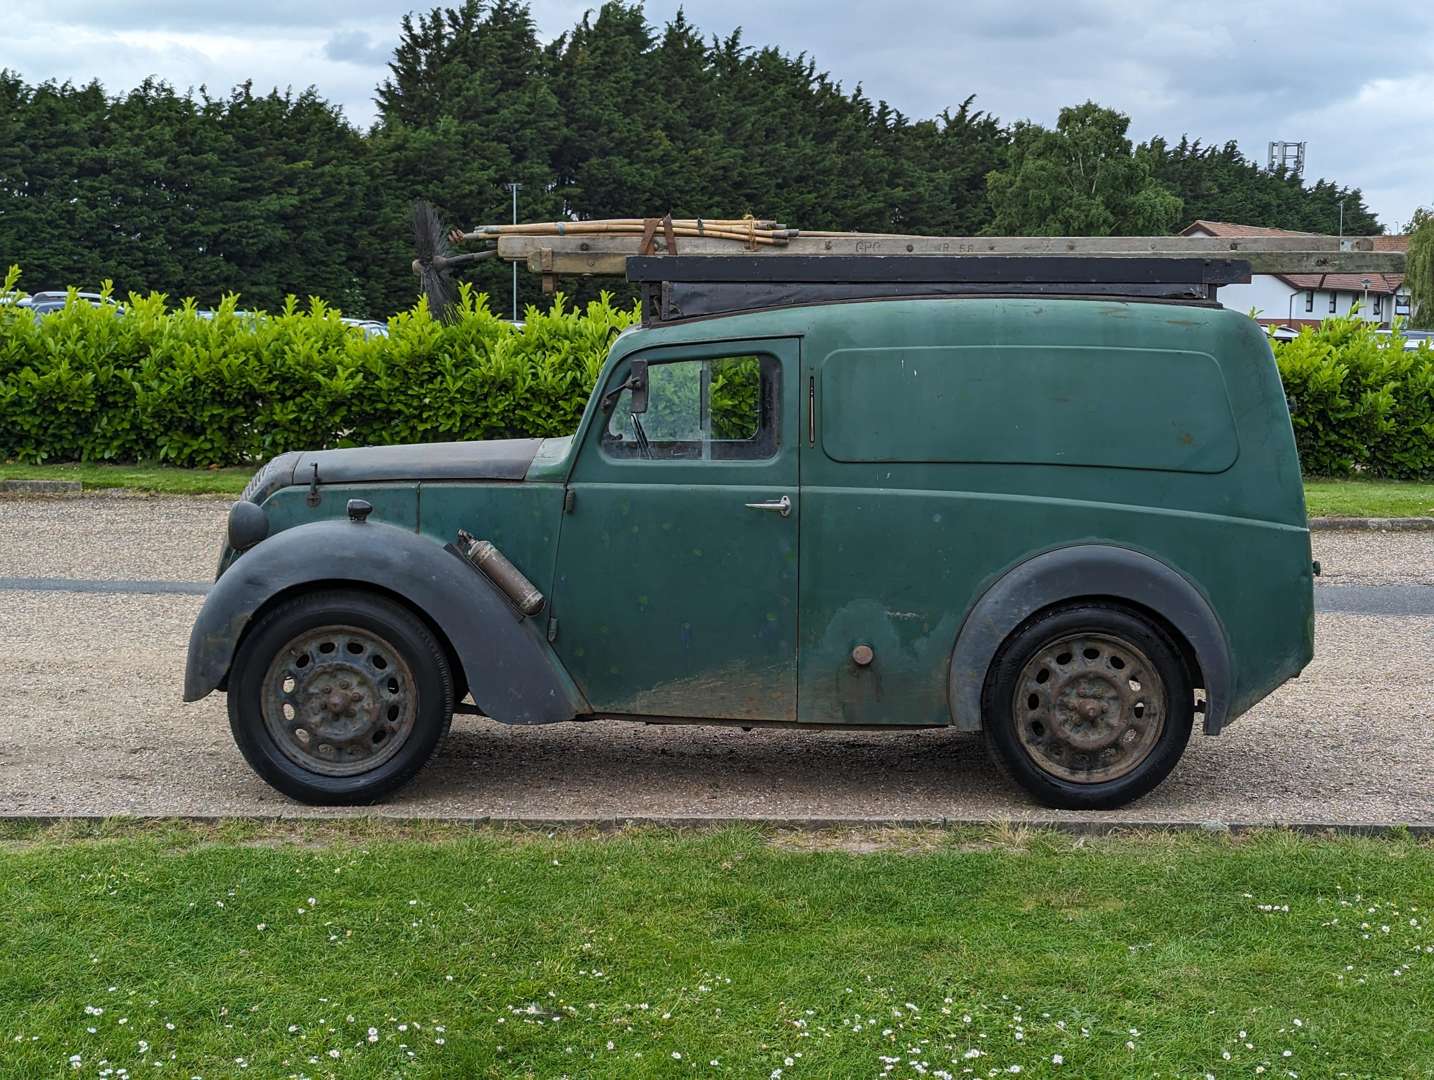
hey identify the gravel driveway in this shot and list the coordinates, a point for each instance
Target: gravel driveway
(92, 722)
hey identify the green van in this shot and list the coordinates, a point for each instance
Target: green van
(1073, 523)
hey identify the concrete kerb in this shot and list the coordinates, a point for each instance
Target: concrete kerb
(40, 487)
(1069, 826)
(1365, 524)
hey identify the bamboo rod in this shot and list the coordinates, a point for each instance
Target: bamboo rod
(757, 236)
(698, 226)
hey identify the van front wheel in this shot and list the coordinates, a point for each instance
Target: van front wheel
(1088, 706)
(339, 697)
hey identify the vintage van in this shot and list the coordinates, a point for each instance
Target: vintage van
(1073, 524)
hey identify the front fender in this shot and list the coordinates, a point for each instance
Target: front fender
(1087, 570)
(514, 675)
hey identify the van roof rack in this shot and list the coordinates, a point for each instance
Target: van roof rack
(689, 286)
(692, 267)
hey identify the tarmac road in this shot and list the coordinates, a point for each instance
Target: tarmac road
(91, 721)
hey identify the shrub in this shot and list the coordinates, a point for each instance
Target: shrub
(168, 384)
(1359, 401)
(171, 385)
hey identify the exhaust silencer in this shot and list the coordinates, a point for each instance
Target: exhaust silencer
(496, 567)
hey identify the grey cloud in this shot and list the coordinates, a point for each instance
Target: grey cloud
(195, 17)
(356, 47)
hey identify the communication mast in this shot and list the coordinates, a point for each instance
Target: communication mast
(1288, 156)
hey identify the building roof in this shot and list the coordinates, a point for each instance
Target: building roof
(1226, 228)
(1378, 283)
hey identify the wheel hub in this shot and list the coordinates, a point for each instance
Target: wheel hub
(339, 700)
(1089, 708)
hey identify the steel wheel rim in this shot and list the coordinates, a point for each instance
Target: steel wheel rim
(1089, 708)
(339, 700)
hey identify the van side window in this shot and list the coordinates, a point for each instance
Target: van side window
(719, 409)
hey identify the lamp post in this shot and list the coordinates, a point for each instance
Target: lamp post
(1364, 304)
(1341, 219)
(513, 187)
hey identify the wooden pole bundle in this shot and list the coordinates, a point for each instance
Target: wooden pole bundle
(560, 228)
(751, 231)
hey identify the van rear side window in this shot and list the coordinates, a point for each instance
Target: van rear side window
(1037, 405)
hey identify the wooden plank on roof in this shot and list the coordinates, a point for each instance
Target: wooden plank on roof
(607, 255)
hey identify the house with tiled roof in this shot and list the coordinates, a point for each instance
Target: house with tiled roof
(1297, 300)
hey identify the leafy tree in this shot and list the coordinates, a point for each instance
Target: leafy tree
(291, 198)
(270, 194)
(185, 196)
(465, 110)
(1419, 269)
(1221, 184)
(946, 162)
(1082, 179)
(617, 156)
(47, 156)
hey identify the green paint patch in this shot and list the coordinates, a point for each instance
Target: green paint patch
(353, 949)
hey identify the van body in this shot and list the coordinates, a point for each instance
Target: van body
(1075, 524)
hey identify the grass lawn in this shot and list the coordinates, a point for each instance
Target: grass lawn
(364, 950)
(1369, 498)
(156, 478)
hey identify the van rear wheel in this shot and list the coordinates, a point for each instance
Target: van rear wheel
(1088, 706)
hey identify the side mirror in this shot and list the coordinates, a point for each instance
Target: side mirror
(637, 383)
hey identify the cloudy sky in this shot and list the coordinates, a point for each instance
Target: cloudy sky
(1355, 82)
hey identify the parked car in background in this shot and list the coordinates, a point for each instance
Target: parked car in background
(52, 300)
(370, 327)
(1413, 339)
(49, 301)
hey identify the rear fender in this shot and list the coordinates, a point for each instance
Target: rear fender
(512, 672)
(1083, 571)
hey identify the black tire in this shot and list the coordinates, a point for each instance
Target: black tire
(403, 653)
(1096, 737)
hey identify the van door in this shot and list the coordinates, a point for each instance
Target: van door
(676, 586)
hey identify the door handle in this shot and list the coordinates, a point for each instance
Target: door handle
(781, 506)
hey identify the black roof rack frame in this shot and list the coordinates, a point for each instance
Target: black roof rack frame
(692, 286)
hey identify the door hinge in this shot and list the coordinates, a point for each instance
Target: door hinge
(552, 629)
(570, 498)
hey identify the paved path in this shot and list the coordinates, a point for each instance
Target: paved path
(91, 720)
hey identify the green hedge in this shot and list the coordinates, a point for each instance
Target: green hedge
(166, 385)
(171, 386)
(1360, 402)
